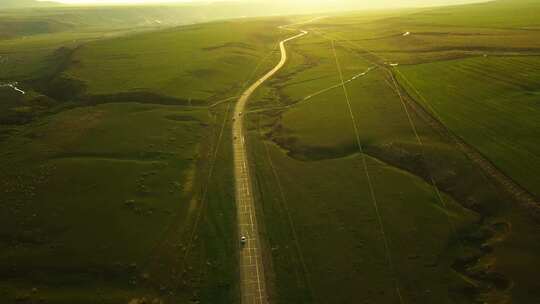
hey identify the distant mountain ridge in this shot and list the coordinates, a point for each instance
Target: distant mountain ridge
(6, 4)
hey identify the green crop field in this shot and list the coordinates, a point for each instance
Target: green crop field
(497, 111)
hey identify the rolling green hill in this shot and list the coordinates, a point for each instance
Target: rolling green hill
(198, 63)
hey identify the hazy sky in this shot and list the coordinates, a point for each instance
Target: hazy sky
(117, 1)
(309, 2)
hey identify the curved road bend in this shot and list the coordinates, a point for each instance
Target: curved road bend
(252, 281)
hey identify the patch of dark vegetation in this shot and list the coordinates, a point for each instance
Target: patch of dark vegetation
(52, 84)
(202, 73)
(19, 109)
(138, 97)
(462, 181)
(32, 235)
(14, 28)
(144, 156)
(71, 90)
(180, 117)
(228, 45)
(139, 207)
(9, 98)
(185, 118)
(296, 150)
(62, 88)
(309, 80)
(6, 132)
(472, 263)
(57, 62)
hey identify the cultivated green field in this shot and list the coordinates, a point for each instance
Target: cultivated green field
(497, 110)
(473, 244)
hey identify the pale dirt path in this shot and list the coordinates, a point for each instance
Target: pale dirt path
(253, 289)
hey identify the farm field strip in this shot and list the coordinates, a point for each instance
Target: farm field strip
(503, 179)
(496, 140)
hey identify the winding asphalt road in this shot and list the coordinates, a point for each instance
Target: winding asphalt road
(253, 287)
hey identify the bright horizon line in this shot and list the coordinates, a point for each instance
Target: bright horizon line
(98, 2)
(320, 3)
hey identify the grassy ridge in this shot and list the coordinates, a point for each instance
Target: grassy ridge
(198, 63)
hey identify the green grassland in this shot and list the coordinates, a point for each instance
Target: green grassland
(75, 185)
(117, 181)
(198, 63)
(339, 241)
(497, 111)
(31, 38)
(321, 225)
(122, 194)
